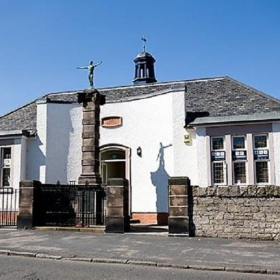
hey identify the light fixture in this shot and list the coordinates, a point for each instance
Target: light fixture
(139, 152)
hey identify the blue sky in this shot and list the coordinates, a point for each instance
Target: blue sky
(42, 43)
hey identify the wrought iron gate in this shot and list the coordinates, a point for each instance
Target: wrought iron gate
(69, 205)
(9, 199)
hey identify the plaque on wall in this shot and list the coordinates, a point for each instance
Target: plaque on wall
(261, 154)
(218, 156)
(111, 122)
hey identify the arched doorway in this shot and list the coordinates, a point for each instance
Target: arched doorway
(115, 163)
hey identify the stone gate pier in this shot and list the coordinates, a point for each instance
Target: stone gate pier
(92, 100)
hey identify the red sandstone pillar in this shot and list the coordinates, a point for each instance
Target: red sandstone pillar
(92, 100)
(178, 220)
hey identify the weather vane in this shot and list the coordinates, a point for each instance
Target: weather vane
(90, 68)
(144, 43)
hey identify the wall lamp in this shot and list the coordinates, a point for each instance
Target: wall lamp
(139, 152)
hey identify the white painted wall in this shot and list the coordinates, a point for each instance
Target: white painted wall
(74, 168)
(23, 158)
(201, 156)
(150, 124)
(18, 162)
(64, 142)
(181, 158)
(55, 154)
(37, 148)
(276, 150)
(35, 160)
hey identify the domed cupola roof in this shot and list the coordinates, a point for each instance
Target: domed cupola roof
(142, 55)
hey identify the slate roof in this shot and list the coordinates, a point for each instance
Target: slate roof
(221, 96)
(24, 118)
(227, 97)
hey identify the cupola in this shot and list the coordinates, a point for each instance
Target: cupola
(144, 68)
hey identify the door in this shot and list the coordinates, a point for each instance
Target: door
(115, 163)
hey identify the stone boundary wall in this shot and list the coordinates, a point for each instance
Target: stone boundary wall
(236, 212)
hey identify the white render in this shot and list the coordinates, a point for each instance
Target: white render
(18, 166)
(202, 158)
(153, 131)
(64, 142)
(39, 159)
(55, 153)
(276, 145)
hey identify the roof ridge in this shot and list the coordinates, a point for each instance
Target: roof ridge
(163, 83)
(255, 90)
(138, 86)
(61, 92)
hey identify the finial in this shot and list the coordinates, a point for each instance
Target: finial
(144, 43)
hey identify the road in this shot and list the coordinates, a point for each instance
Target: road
(17, 268)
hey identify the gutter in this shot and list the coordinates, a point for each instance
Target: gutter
(15, 133)
(230, 120)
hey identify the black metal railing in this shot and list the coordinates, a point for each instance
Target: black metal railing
(69, 205)
(9, 199)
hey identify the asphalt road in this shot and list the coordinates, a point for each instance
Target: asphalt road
(16, 268)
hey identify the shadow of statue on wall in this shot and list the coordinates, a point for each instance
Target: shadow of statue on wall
(159, 179)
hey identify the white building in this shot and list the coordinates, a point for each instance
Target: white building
(216, 131)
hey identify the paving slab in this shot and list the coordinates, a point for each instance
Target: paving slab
(222, 254)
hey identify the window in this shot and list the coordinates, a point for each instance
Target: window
(218, 173)
(218, 157)
(239, 172)
(261, 157)
(5, 167)
(239, 157)
(261, 172)
(217, 143)
(238, 142)
(260, 141)
(245, 158)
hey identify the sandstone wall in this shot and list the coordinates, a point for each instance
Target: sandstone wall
(236, 212)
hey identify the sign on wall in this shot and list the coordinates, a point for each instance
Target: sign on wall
(111, 121)
(239, 155)
(218, 155)
(261, 154)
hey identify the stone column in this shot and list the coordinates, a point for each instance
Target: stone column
(178, 220)
(27, 204)
(91, 100)
(117, 218)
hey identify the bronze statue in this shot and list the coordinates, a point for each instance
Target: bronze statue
(90, 68)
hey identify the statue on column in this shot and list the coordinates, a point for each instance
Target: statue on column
(90, 68)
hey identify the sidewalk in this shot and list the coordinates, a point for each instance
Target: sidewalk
(135, 248)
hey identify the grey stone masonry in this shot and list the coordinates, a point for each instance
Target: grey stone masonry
(237, 212)
(26, 214)
(117, 217)
(178, 220)
(91, 100)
